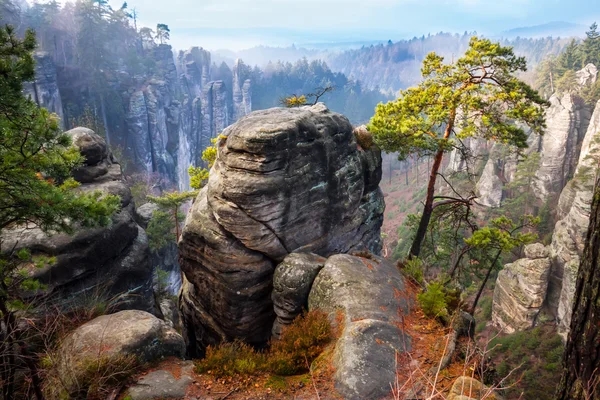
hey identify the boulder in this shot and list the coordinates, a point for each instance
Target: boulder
(521, 289)
(108, 338)
(368, 291)
(285, 180)
(292, 281)
(164, 383)
(108, 264)
(466, 388)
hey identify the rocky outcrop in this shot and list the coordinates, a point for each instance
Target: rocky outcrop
(44, 90)
(368, 291)
(565, 250)
(242, 94)
(521, 289)
(292, 281)
(172, 117)
(568, 239)
(169, 382)
(107, 264)
(285, 180)
(108, 338)
(567, 120)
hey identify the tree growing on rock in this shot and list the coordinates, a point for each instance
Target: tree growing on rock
(476, 96)
(163, 33)
(36, 161)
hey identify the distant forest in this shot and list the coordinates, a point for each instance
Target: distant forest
(97, 49)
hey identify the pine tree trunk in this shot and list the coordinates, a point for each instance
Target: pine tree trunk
(581, 362)
(415, 249)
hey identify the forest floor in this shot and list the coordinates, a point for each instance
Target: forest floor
(416, 372)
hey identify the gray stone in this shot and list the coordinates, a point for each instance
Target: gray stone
(92, 146)
(108, 337)
(143, 214)
(368, 291)
(285, 180)
(108, 264)
(292, 281)
(162, 384)
(464, 324)
(521, 289)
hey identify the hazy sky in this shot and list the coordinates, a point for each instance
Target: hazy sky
(242, 23)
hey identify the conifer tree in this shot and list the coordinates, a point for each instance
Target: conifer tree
(477, 96)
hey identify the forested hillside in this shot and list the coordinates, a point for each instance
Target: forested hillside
(397, 65)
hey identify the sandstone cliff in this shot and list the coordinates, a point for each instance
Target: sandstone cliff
(567, 240)
(285, 180)
(44, 90)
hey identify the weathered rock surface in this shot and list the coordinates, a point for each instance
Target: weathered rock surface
(368, 291)
(168, 383)
(292, 281)
(44, 90)
(285, 180)
(568, 239)
(490, 187)
(171, 118)
(466, 388)
(108, 337)
(521, 290)
(109, 263)
(567, 120)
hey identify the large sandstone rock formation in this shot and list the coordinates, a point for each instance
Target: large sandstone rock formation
(568, 238)
(172, 117)
(100, 264)
(368, 291)
(567, 120)
(285, 180)
(521, 289)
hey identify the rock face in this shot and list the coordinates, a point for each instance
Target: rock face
(568, 239)
(292, 282)
(107, 263)
(567, 120)
(44, 90)
(521, 290)
(110, 336)
(368, 292)
(172, 117)
(565, 250)
(285, 180)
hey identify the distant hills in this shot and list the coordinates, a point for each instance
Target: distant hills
(554, 29)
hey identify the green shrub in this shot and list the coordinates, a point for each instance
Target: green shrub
(414, 270)
(433, 301)
(300, 344)
(536, 354)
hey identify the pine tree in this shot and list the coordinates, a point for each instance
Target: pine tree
(482, 87)
(36, 161)
(590, 48)
(163, 33)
